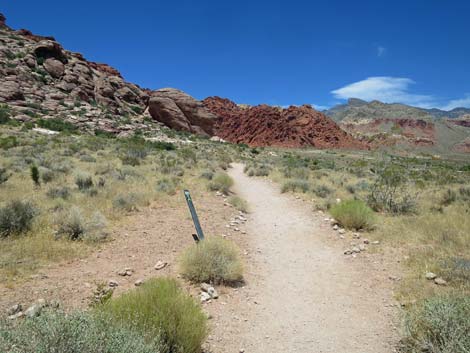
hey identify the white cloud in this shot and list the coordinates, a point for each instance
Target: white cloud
(386, 89)
(381, 51)
(319, 107)
(457, 103)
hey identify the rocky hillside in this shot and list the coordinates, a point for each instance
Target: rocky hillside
(383, 124)
(41, 81)
(264, 125)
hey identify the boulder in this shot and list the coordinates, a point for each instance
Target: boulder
(10, 91)
(54, 67)
(180, 111)
(49, 49)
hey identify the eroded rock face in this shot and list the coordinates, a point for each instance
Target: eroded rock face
(264, 125)
(180, 111)
(38, 76)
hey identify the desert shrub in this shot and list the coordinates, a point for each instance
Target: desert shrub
(4, 114)
(87, 158)
(297, 185)
(47, 175)
(322, 191)
(353, 214)
(83, 181)
(75, 226)
(207, 174)
(161, 308)
(35, 175)
(133, 157)
(16, 217)
(391, 192)
(464, 194)
(4, 175)
(212, 260)
(257, 170)
(449, 197)
(221, 182)
(56, 125)
(129, 202)
(166, 186)
(8, 142)
(59, 192)
(439, 325)
(57, 332)
(239, 203)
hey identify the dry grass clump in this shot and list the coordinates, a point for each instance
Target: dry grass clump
(297, 185)
(160, 308)
(440, 324)
(353, 214)
(55, 331)
(212, 260)
(16, 217)
(239, 203)
(221, 182)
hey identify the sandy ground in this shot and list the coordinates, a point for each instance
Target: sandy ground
(302, 293)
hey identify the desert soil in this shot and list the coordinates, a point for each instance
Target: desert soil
(302, 294)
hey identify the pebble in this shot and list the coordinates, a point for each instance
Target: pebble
(430, 276)
(15, 309)
(139, 282)
(341, 231)
(335, 227)
(207, 288)
(160, 265)
(440, 281)
(112, 283)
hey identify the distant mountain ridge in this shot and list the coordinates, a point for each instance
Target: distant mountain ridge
(356, 109)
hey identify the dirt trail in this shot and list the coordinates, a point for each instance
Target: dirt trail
(308, 296)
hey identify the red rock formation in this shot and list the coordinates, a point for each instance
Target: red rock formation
(264, 125)
(105, 68)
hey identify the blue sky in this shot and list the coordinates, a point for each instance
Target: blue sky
(275, 52)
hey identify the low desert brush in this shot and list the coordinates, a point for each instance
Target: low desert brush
(213, 260)
(440, 324)
(239, 203)
(221, 182)
(55, 331)
(160, 308)
(353, 214)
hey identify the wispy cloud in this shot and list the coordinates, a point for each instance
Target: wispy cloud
(458, 103)
(386, 89)
(381, 51)
(319, 107)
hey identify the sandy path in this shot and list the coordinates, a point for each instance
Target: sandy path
(308, 296)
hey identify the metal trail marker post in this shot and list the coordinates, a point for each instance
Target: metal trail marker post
(200, 235)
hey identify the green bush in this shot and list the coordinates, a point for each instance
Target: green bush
(16, 218)
(4, 114)
(440, 324)
(4, 175)
(83, 181)
(391, 191)
(57, 332)
(35, 175)
(57, 125)
(239, 203)
(353, 214)
(221, 182)
(297, 185)
(8, 142)
(161, 308)
(212, 260)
